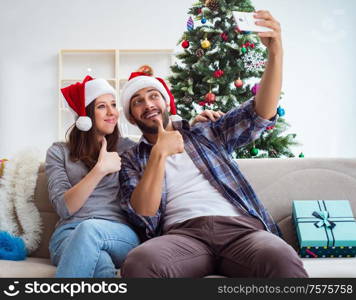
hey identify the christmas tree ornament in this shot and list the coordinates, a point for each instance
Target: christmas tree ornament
(255, 88)
(199, 52)
(214, 47)
(246, 32)
(190, 24)
(185, 44)
(210, 98)
(203, 20)
(205, 44)
(224, 36)
(146, 69)
(272, 153)
(254, 61)
(237, 30)
(238, 83)
(301, 155)
(280, 111)
(187, 99)
(218, 73)
(212, 4)
(254, 151)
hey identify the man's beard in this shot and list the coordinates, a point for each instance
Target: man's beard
(152, 129)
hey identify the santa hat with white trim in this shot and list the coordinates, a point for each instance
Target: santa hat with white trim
(140, 80)
(81, 94)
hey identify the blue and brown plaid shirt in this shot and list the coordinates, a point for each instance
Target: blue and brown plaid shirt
(209, 145)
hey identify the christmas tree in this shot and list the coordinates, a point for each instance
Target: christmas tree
(220, 68)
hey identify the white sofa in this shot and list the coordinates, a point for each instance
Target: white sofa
(276, 181)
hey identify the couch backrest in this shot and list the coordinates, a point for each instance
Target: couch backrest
(48, 215)
(279, 181)
(276, 181)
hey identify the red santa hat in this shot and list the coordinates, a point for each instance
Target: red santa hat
(140, 80)
(81, 94)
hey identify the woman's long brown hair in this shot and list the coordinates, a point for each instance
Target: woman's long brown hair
(84, 145)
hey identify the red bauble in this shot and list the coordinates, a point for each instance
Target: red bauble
(247, 44)
(185, 44)
(224, 36)
(218, 73)
(210, 98)
(269, 127)
(202, 103)
(238, 83)
(252, 45)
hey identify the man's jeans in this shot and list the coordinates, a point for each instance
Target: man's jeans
(91, 248)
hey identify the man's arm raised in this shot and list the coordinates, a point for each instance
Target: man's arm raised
(268, 95)
(146, 197)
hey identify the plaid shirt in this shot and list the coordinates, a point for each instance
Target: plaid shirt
(209, 145)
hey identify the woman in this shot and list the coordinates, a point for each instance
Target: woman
(92, 237)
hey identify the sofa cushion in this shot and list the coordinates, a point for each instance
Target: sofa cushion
(30, 268)
(330, 267)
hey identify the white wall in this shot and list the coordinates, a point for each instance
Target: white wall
(319, 62)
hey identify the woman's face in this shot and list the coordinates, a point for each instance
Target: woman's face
(106, 114)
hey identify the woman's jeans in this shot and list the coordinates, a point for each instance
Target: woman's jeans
(91, 248)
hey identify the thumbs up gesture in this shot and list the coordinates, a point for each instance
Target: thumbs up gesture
(168, 142)
(108, 162)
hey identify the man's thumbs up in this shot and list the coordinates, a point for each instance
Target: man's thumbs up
(159, 126)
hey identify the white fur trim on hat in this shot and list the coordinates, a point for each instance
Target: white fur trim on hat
(84, 123)
(136, 84)
(95, 88)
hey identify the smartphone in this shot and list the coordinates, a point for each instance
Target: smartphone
(246, 22)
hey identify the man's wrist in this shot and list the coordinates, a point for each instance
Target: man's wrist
(158, 152)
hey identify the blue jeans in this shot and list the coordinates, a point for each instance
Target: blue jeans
(91, 248)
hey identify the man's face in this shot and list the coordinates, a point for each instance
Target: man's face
(146, 107)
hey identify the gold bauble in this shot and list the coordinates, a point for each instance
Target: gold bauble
(205, 44)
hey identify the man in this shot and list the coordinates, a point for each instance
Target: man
(180, 185)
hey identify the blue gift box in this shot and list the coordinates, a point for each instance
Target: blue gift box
(325, 228)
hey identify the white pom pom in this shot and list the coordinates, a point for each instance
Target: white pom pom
(175, 118)
(83, 123)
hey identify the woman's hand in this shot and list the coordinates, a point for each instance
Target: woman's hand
(108, 162)
(207, 115)
(271, 39)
